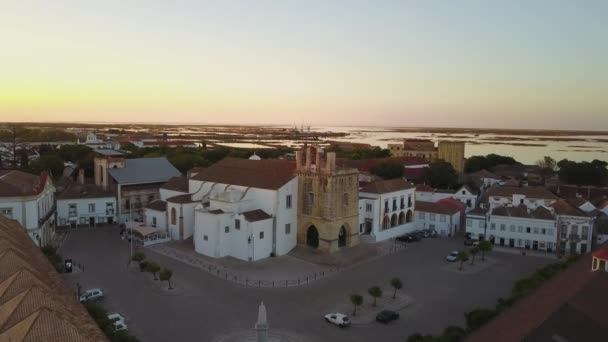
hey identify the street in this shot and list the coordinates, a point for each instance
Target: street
(207, 308)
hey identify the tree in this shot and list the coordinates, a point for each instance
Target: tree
(50, 163)
(583, 173)
(143, 266)
(547, 164)
(453, 334)
(476, 163)
(153, 267)
(484, 246)
(441, 175)
(462, 257)
(356, 300)
(478, 317)
(165, 275)
(138, 257)
(388, 170)
(397, 285)
(473, 252)
(375, 292)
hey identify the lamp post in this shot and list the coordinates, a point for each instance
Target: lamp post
(131, 230)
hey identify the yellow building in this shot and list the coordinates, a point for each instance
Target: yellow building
(328, 202)
(453, 153)
(449, 151)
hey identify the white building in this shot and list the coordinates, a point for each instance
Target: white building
(464, 195)
(444, 219)
(530, 196)
(575, 228)
(246, 209)
(386, 209)
(486, 178)
(156, 213)
(30, 200)
(85, 205)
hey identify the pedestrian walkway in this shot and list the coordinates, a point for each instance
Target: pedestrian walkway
(300, 267)
(528, 252)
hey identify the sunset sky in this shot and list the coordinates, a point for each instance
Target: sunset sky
(511, 64)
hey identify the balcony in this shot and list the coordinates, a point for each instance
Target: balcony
(48, 215)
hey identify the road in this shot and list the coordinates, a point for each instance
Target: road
(206, 308)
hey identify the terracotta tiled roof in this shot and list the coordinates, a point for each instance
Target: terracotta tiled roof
(540, 213)
(35, 305)
(564, 208)
(263, 174)
(424, 188)
(14, 183)
(158, 205)
(528, 191)
(435, 208)
(601, 254)
(478, 211)
(386, 186)
(577, 201)
(177, 183)
(575, 295)
(483, 173)
(256, 215)
(181, 199)
(87, 190)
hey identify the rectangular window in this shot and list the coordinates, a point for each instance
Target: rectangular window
(109, 208)
(237, 224)
(7, 212)
(512, 228)
(584, 232)
(386, 209)
(72, 211)
(520, 229)
(432, 217)
(402, 202)
(227, 229)
(528, 229)
(482, 224)
(261, 235)
(91, 207)
(288, 202)
(492, 226)
(574, 230)
(368, 207)
(503, 227)
(550, 231)
(288, 228)
(535, 230)
(421, 215)
(543, 231)
(441, 218)
(205, 237)
(154, 222)
(394, 204)
(345, 199)
(469, 223)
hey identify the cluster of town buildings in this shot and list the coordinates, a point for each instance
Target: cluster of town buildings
(254, 208)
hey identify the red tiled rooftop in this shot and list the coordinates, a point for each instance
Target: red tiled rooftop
(601, 254)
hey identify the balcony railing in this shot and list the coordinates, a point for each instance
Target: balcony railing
(48, 215)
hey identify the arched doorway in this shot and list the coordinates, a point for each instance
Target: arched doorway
(342, 237)
(401, 218)
(312, 237)
(409, 217)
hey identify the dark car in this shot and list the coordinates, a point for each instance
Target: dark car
(386, 316)
(420, 234)
(430, 232)
(408, 238)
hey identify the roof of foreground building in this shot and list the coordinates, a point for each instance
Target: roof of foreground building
(15, 183)
(386, 186)
(35, 305)
(263, 174)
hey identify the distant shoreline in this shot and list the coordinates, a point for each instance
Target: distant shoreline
(363, 129)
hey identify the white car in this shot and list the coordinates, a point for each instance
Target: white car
(118, 321)
(453, 256)
(91, 295)
(338, 319)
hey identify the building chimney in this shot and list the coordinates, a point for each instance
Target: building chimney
(330, 165)
(81, 176)
(318, 159)
(308, 158)
(298, 160)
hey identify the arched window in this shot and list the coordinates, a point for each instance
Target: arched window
(409, 217)
(394, 220)
(385, 222)
(401, 218)
(173, 216)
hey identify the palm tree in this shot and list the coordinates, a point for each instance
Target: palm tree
(462, 257)
(473, 252)
(356, 300)
(153, 267)
(484, 246)
(375, 292)
(397, 285)
(165, 275)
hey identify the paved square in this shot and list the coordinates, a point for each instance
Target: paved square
(208, 308)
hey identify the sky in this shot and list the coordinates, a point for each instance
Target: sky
(507, 64)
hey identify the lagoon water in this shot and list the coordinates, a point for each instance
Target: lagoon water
(524, 148)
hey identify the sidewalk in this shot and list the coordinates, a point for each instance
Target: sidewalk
(529, 252)
(300, 267)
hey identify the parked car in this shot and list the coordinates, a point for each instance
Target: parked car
(468, 242)
(420, 234)
(408, 238)
(120, 325)
(386, 316)
(115, 317)
(91, 295)
(430, 232)
(338, 319)
(453, 256)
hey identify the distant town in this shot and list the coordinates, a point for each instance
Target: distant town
(288, 234)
